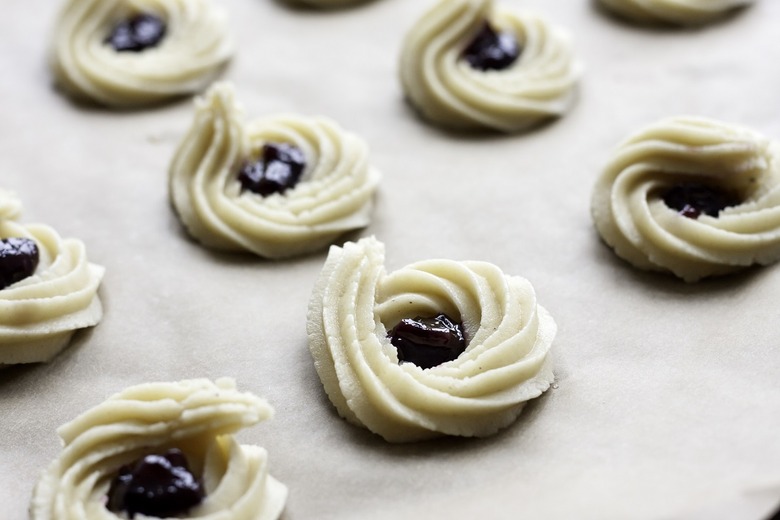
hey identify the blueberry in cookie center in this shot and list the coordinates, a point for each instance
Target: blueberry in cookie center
(691, 200)
(155, 485)
(18, 260)
(428, 342)
(138, 33)
(278, 169)
(491, 49)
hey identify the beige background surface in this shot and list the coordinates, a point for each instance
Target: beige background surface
(667, 403)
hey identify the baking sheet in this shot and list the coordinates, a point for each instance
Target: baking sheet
(666, 403)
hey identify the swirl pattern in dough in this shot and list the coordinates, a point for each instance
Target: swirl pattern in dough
(446, 90)
(197, 416)
(677, 12)
(194, 50)
(40, 313)
(506, 363)
(334, 195)
(631, 214)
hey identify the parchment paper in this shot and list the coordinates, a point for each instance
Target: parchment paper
(666, 405)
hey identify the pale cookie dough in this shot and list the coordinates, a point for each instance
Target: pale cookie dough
(631, 216)
(197, 416)
(40, 313)
(334, 195)
(446, 90)
(506, 363)
(191, 55)
(327, 4)
(677, 12)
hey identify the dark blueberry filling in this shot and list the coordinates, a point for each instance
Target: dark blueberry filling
(691, 200)
(428, 342)
(137, 34)
(278, 169)
(18, 260)
(492, 50)
(155, 485)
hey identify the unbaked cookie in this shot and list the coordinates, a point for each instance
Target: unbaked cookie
(437, 348)
(48, 289)
(278, 187)
(466, 65)
(327, 4)
(678, 12)
(692, 196)
(162, 450)
(127, 53)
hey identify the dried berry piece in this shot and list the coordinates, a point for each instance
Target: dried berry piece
(428, 342)
(18, 260)
(492, 50)
(136, 34)
(279, 168)
(691, 200)
(155, 485)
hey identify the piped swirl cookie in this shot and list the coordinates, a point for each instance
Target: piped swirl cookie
(127, 53)
(676, 12)
(691, 196)
(278, 187)
(437, 348)
(162, 450)
(48, 288)
(466, 65)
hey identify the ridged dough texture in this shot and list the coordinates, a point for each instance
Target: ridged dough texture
(446, 90)
(39, 314)
(506, 363)
(195, 49)
(196, 416)
(631, 216)
(334, 195)
(677, 12)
